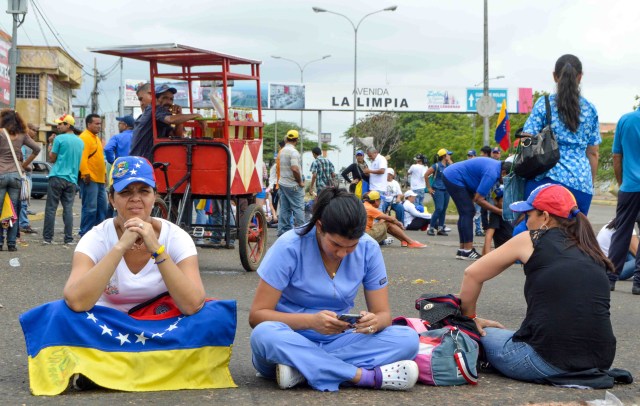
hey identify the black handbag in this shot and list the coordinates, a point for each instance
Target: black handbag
(537, 153)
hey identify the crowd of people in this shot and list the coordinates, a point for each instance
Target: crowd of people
(301, 313)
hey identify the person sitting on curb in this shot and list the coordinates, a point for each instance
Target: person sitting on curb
(310, 277)
(414, 219)
(604, 240)
(393, 196)
(379, 224)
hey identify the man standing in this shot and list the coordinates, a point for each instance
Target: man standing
(626, 166)
(65, 154)
(417, 178)
(393, 196)
(495, 153)
(142, 139)
(93, 172)
(120, 144)
(25, 225)
(290, 186)
(323, 171)
(377, 171)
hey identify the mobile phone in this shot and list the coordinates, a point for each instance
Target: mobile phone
(350, 318)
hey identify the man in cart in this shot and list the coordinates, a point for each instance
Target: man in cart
(169, 120)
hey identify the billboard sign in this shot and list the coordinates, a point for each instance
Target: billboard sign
(5, 87)
(473, 95)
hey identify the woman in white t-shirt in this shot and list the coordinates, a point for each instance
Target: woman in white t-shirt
(604, 240)
(417, 180)
(132, 258)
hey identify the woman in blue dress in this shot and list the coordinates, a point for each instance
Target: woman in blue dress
(574, 121)
(309, 278)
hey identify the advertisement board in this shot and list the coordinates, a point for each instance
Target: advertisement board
(5, 87)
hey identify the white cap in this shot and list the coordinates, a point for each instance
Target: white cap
(510, 158)
(410, 193)
(390, 171)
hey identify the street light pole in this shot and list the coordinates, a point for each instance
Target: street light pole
(474, 118)
(355, 63)
(301, 68)
(485, 120)
(16, 8)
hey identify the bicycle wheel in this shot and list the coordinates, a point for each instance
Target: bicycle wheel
(252, 237)
(160, 209)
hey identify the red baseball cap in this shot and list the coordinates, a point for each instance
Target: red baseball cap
(554, 199)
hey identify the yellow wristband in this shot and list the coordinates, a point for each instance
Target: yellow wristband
(158, 252)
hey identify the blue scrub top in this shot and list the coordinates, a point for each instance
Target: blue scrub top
(477, 175)
(293, 265)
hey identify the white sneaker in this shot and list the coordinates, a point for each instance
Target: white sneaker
(387, 241)
(447, 229)
(288, 377)
(401, 375)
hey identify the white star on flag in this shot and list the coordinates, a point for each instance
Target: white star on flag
(172, 327)
(123, 338)
(133, 171)
(138, 165)
(91, 317)
(141, 338)
(157, 335)
(106, 330)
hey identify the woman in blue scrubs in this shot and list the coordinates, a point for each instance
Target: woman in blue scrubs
(309, 278)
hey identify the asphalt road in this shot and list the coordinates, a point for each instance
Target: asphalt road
(43, 271)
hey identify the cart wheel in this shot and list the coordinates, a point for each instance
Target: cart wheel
(252, 237)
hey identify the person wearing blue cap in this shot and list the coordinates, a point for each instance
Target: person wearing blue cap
(120, 144)
(142, 138)
(354, 173)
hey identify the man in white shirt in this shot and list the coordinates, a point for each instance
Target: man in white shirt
(413, 219)
(377, 171)
(417, 180)
(392, 196)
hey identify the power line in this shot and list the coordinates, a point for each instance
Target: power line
(41, 30)
(24, 31)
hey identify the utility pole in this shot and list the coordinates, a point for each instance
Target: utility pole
(485, 92)
(121, 99)
(15, 8)
(94, 93)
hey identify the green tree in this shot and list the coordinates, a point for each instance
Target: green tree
(269, 141)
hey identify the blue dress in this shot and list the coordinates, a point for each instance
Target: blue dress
(573, 169)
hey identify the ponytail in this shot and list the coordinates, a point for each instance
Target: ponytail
(566, 72)
(579, 231)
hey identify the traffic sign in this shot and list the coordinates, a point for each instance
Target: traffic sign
(474, 95)
(486, 106)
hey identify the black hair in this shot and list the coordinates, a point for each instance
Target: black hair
(612, 225)
(506, 166)
(89, 119)
(143, 88)
(566, 72)
(282, 144)
(340, 212)
(486, 150)
(316, 151)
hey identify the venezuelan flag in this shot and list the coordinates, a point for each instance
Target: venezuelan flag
(119, 352)
(503, 127)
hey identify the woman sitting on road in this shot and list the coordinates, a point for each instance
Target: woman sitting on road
(567, 327)
(309, 278)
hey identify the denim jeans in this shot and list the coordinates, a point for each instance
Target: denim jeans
(441, 201)
(59, 191)
(464, 203)
(94, 205)
(11, 183)
(216, 219)
(24, 205)
(516, 360)
(291, 203)
(629, 267)
(398, 208)
(477, 219)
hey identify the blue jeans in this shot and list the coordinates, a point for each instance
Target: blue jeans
(398, 208)
(94, 205)
(291, 203)
(516, 360)
(477, 218)
(59, 191)
(441, 201)
(420, 196)
(216, 220)
(464, 203)
(11, 183)
(628, 268)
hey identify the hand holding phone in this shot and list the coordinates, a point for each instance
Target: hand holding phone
(350, 318)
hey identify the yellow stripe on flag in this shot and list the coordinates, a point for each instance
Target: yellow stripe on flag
(502, 114)
(199, 368)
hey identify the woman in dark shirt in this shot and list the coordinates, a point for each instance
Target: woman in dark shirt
(566, 329)
(356, 171)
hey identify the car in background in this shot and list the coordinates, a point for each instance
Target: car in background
(39, 179)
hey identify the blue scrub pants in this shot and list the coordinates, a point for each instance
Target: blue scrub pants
(327, 364)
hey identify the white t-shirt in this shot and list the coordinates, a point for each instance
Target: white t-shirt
(410, 212)
(125, 289)
(392, 190)
(416, 176)
(604, 238)
(378, 182)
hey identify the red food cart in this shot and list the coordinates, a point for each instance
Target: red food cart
(222, 158)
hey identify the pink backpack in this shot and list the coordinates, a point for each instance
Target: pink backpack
(447, 356)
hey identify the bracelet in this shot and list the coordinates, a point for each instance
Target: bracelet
(158, 252)
(159, 262)
(472, 316)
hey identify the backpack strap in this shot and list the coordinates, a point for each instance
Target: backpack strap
(413, 322)
(547, 107)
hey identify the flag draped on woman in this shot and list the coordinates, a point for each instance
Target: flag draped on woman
(503, 127)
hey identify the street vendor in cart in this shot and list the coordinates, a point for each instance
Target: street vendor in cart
(169, 120)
